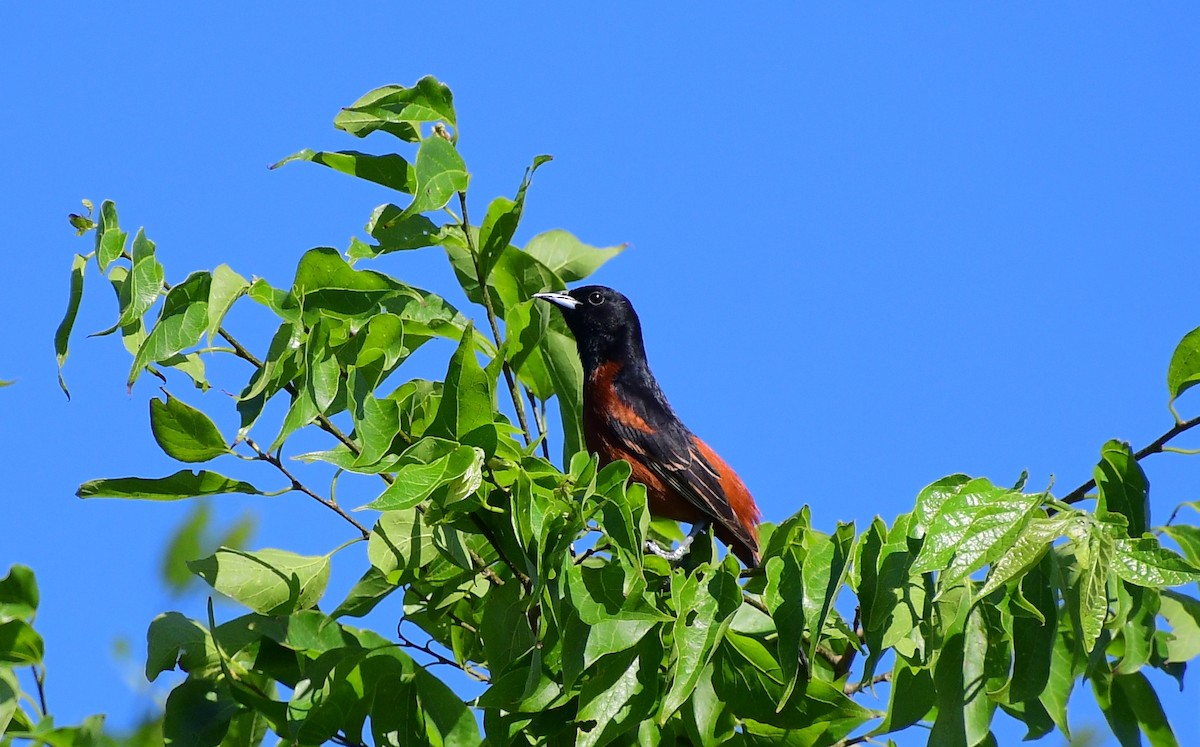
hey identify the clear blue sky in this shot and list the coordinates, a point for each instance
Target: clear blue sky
(869, 248)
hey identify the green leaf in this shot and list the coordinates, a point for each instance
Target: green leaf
(62, 335)
(173, 639)
(1184, 371)
(824, 570)
(185, 544)
(568, 257)
(964, 711)
(1146, 563)
(400, 544)
(145, 280)
(197, 714)
(1123, 487)
(619, 696)
(459, 471)
(1061, 680)
(1026, 550)
(910, 700)
(973, 524)
(1033, 639)
(270, 582)
(500, 223)
(704, 607)
(180, 324)
(182, 484)
(20, 644)
(440, 173)
(184, 432)
(18, 594)
(368, 592)
(1088, 593)
(398, 110)
(395, 230)
(325, 282)
(110, 239)
(784, 597)
(1116, 707)
(1182, 613)
(1188, 539)
(467, 399)
(1147, 709)
(930, 500)
(226, 288)
(390, 170)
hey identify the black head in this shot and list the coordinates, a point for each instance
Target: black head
(605, 326)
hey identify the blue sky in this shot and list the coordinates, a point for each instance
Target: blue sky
(869, 248)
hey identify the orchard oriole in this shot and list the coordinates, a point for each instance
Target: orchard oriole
(626, 416)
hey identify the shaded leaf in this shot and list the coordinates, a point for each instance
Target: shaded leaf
(1184, 369)
(62, 335)
(390, 170)
(182, 484)
(180, 324)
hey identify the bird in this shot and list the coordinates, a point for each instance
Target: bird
(627, 416)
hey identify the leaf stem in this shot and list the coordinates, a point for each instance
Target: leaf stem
(274, 461)
(853, 688)
(1155, 447)
(486, 295)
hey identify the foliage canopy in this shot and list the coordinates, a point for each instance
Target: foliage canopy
(530, 577)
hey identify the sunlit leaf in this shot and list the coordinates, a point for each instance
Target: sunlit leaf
(182, 484)
(184, 432)
(271, 582)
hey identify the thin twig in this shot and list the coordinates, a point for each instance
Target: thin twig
(39, 678)
(1156, 446)
(853, 688)
(539, 420)
(486, 295)
(274, 461)
(440, 659)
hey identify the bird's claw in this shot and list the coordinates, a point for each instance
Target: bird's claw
(671, 556)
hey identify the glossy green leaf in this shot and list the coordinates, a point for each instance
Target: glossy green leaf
(227, 287)
(184, 432)
(270, 582)
(500, 224)
(180, 324)
(399, 110)
(1123, 487)
(1117, 709)
(389, 170)
(182, 484)
(1146, 563)
(62, 335)
(1184, 369)
(973, 524)
(440, 173)
(1027, 549)
(568, 257)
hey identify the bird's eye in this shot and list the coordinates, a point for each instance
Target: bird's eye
(595, 298)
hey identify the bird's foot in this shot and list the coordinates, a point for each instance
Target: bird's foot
(671, 556)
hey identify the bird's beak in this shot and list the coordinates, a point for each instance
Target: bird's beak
(558, 299)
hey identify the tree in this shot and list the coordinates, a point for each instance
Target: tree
(530, 577)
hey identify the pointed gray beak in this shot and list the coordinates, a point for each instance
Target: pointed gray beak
(558, 299)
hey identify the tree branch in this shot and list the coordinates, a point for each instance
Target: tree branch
(853, 688)
(486, 295)
(1155, 447)
(274, 461)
